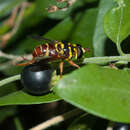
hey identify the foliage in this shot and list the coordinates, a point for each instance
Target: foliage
(102, 26)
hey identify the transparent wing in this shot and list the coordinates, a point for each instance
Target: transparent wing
(40, 38)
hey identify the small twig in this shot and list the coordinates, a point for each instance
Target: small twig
(18, 123)
(10, 79)
(106, 59)
(11, 20)
(57, 119)
(97, 60)
(20, 17)
(20, 58)
(13, 59)
(8, 56)
(109, 128)
(6, 65)
(8, 35)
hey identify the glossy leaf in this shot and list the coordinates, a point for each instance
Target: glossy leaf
(62, 14)
(5, 90)
(83, 29)
(116, 23)
(99, 37)
(100, 91)
(61, 30)
(22, 98)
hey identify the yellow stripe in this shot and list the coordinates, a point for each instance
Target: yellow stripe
(69, 44)
(47, 50)
(74, 45)
(56, 47)
(70, 53)
(75, 50)
(62, 48)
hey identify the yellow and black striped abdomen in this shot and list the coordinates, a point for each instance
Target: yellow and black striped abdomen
(76, 50)
(67, 50)
(59, 50)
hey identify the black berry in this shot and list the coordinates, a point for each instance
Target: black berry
(36, 78)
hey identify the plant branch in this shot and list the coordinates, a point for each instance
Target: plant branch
(8, 56)
(10, 79)
(10, 34)
(107, 59)
(96, 60)
(57, 119)
(11, 20)
(13, 59)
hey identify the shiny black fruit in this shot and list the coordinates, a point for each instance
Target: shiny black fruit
(36, 78)
(121, 126)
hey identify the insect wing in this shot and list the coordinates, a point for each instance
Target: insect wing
(39, 38)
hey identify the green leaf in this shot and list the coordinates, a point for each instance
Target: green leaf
(61, 31)
(90, 1)
(99, 37)
(7, 5)
(100, 91)
(22, 98)
(83, 29)
(116, 22)
(62, 14)
(4, 90)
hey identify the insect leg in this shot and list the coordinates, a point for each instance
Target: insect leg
(73, 64)
(61, 68)
(28, 62)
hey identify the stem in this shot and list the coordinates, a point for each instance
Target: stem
(96, 60)
(8, 56)
(18, 124)
(100, 60)
(10, 79)
(57, 119)
(119, 49)
(118, 35)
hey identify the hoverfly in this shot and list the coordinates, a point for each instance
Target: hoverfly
(56, 50)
